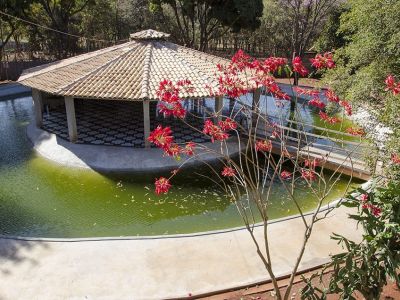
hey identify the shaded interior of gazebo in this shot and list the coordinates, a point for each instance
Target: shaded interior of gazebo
(97, 123)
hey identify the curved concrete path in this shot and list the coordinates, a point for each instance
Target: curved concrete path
(112, 158)
(158, 268)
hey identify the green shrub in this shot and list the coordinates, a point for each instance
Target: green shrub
(365, 266)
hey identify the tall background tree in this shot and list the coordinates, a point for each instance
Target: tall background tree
(9, 26)
(287, 26)
(63, 16)
(305, 20)
(199, 21)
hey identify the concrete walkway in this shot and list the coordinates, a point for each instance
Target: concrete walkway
(158, 268)
(114, 158)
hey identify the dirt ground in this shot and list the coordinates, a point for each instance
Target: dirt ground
(308, 82)
(265, 291)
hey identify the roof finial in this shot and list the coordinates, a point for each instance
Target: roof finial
(149, 34)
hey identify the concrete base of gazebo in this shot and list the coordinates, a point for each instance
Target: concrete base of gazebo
(111, 158)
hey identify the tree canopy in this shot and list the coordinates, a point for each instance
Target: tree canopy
(372, 48)
(371, 31)
(198, 21)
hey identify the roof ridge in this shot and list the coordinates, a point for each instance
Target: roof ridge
(28, 73)
(146, 70)
(105, 65)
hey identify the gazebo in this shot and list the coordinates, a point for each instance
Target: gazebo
(127, 72)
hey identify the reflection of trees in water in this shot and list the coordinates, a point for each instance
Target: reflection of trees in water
(21, 108)
(14, 144)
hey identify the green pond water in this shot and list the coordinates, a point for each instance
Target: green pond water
(42, 199)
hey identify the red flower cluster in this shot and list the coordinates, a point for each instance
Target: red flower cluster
(264, 72)
(285, 175)
(269, 66)
(311, 163)
(317, 103)
(299, 67)
(189, 148)
(272, 87)
(231, 85)
(216, 132)
(323, 61)
(395, 158)
(347, 107)
(230, 82)
(272, 64)
(275, 134)
(228, 172)
(392, 85)
(326, 118)
(306, 92)
(161, 137)
(355, 131)
(172, 109)
(263, 145)
(331, 96)
(375, 210)
(168, 92)
(227, 124)
(172, 149)
(162, 185)
(241, 60)
(308, 174)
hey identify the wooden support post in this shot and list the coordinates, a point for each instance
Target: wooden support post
(146, 123)
(71, 118)
(38, 107)
(219, 103)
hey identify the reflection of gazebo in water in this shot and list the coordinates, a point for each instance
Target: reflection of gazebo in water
(108, 97)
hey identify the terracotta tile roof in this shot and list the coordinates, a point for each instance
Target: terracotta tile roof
(130, 71)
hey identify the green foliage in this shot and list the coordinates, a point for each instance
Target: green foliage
(330, 38)
(64, 16)
(236, 14)
(371, 30)
(365, 266)
(8, 24)
(198, 21)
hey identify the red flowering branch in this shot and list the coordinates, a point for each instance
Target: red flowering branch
(168, 92)
(323, 61)
(299, 67)
(258, 165)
